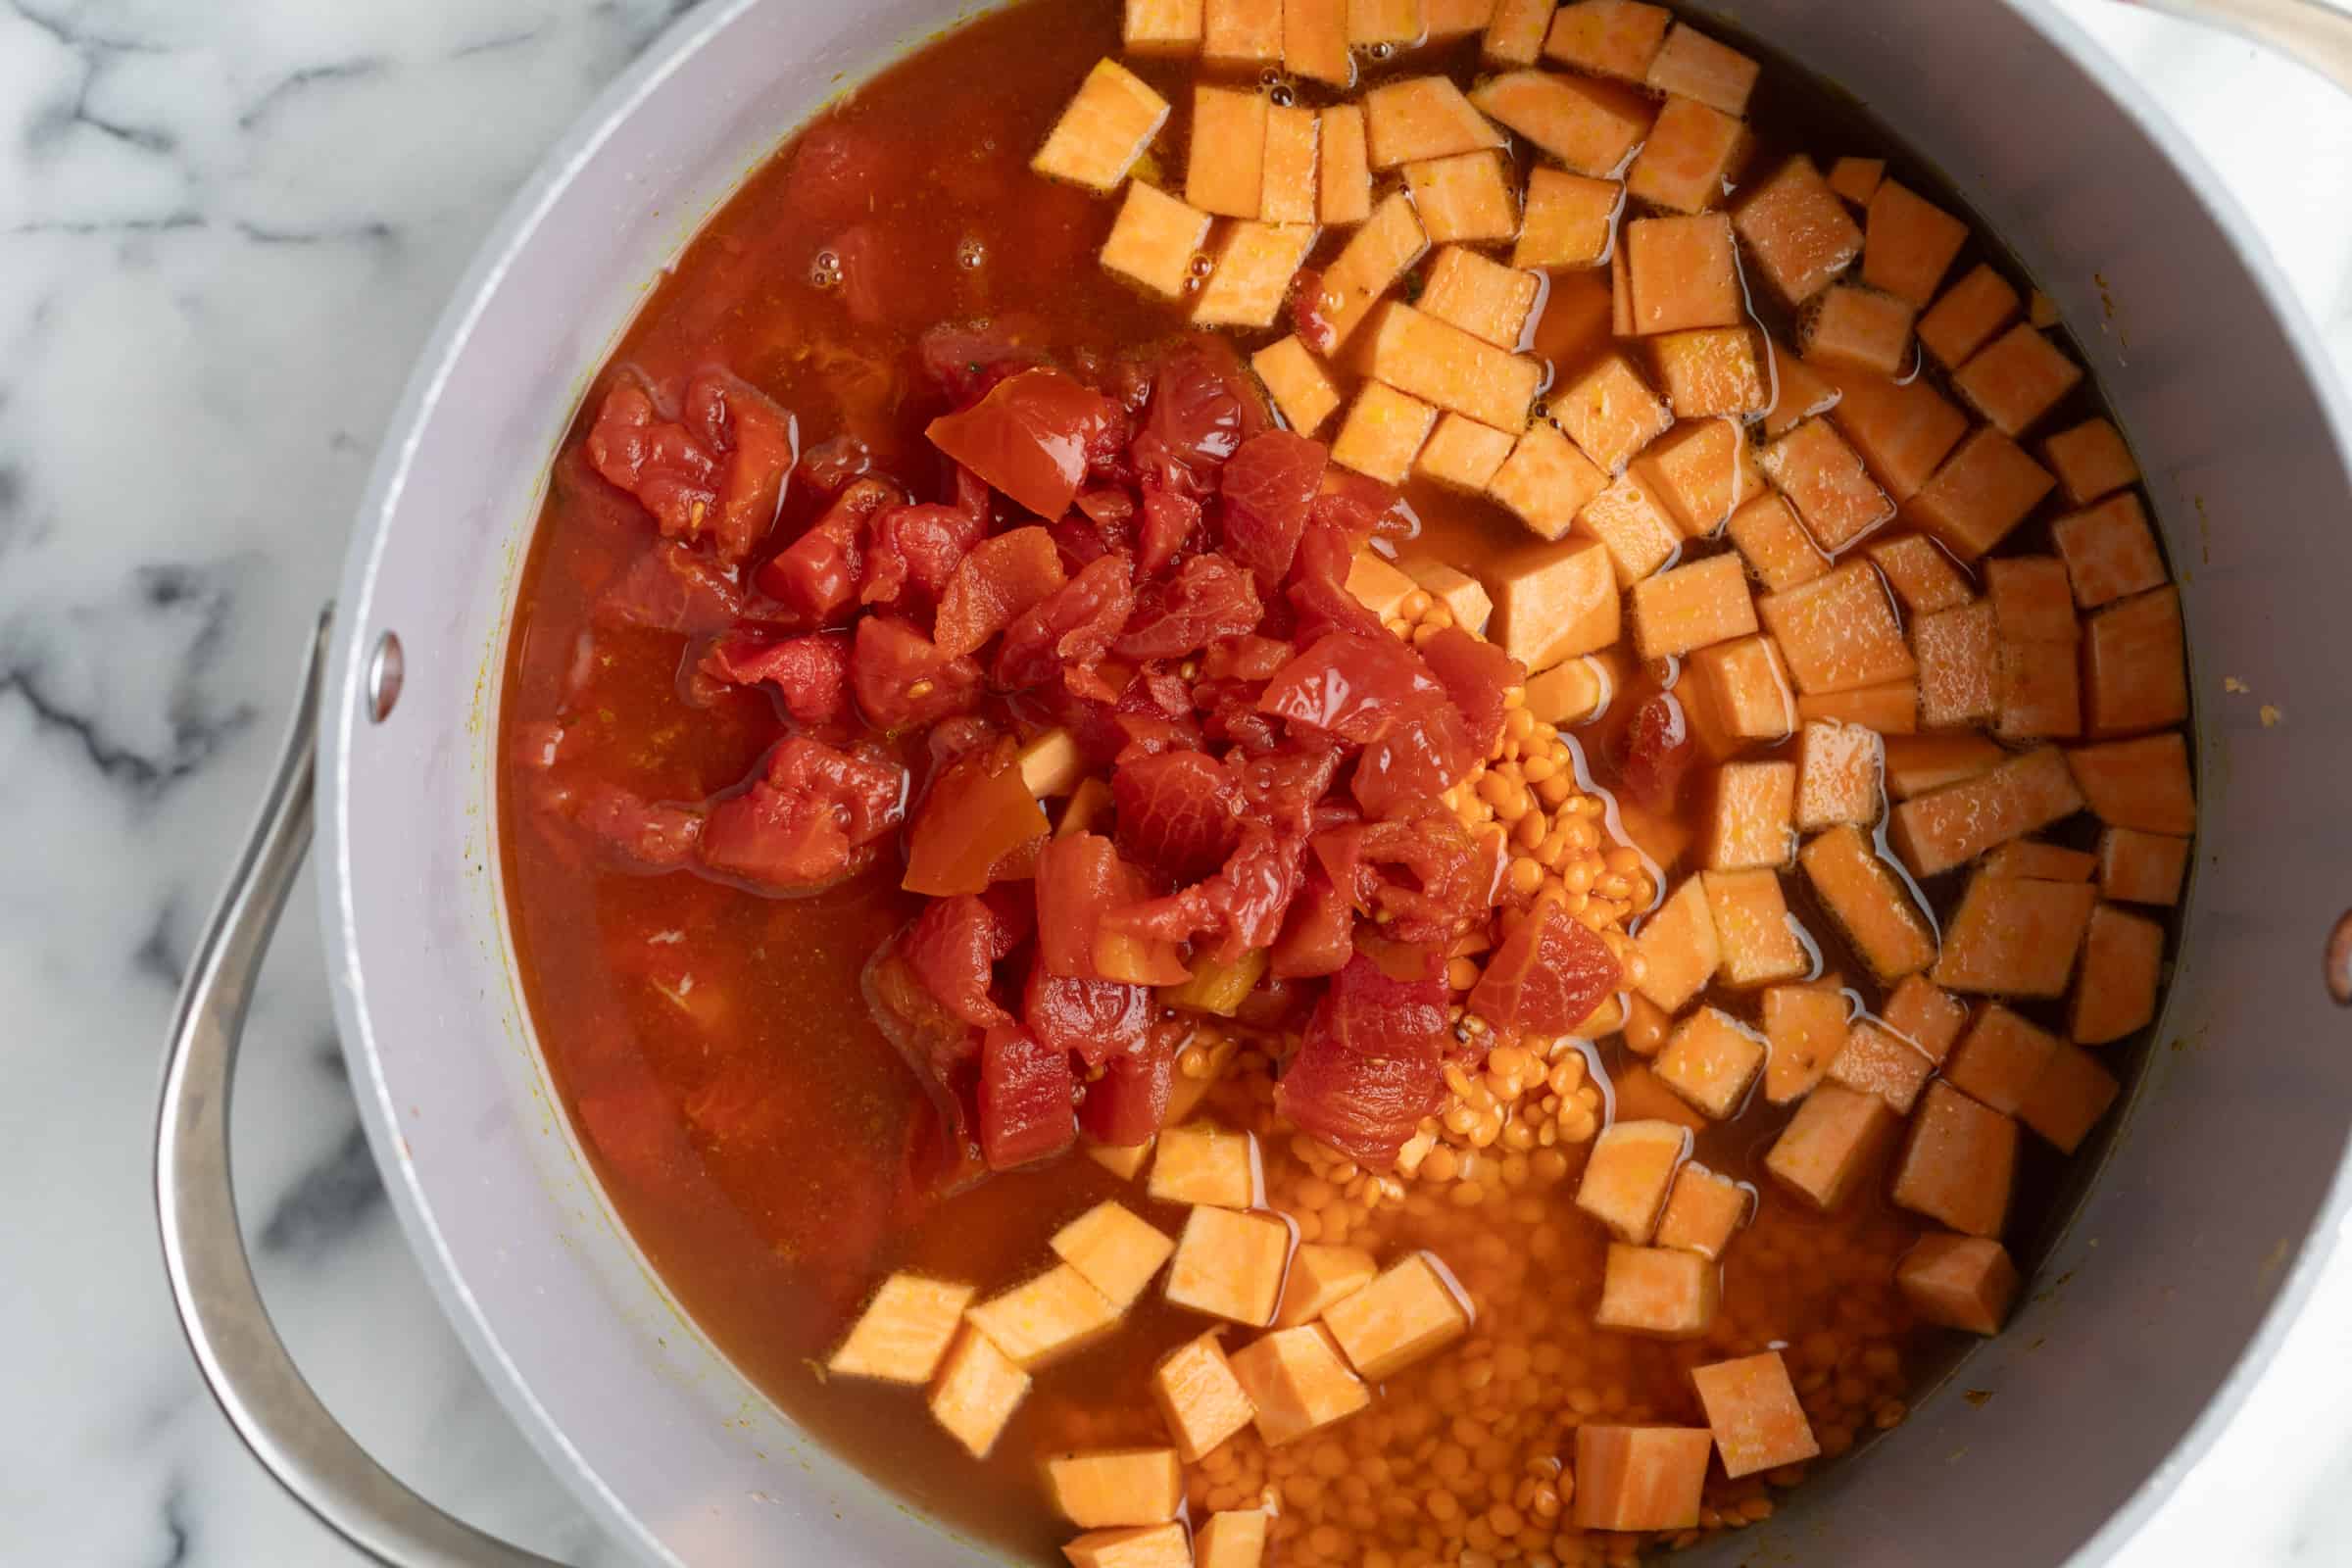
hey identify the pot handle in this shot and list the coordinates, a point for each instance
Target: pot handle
(2311, 31)
(237, 1349)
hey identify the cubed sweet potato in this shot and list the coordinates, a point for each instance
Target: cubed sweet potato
(1235, 1537)
(2014, 937)
(2001, 1058)
(1826, 481)
(1554, 602)
(1902, 430)
(1153, 240)
(1321, 1275)
(1412, 1310)
(2040, 692)
(2141, 783)
(1378, 584)
(1464, 455)
(1753, 1409)
(2069, 1097)
(1252, 274)
(1658, 1293)
(1683, 272)
(1241, 32)
(1629, 1173)
(1709, 372)
(1711, 1059)
(1703, 469)
(1640, 1478)
(977, 1390)
(1202, 1162)
(1299, 1383)
(1869, 902)
(1775, 544)
(1570, 220)
(1104, 130)
(1383, 433)
(1314, 41)
(1515, 35)
(1959, 1163)
(1589, 125)
(1299, 382)
(1569, 693)
(1464, 597)
(1858, 178)
(2134, 669)
(1047, 1318)
(1225, 165)
(1919, 764)
(1704, 1212)
(1909, 243)
(1344, 167)
(1290, 166)
(1162, 26)
(1854, 327)
(1126, 1161)
(1691, 65)
(1925, 1015)
(1610, 413)
(1416, 118)
(1676, 942)
(1198, 1397)
(1797, 230)
(1752, 928)
(1469, 198)
(1983, 490)
(904, 1329)
(1229, 1265)
(2123, 962)
(1839, 632)
(1839, 769)
(1394, 23)
(1375, 256)
(1609, 37)
(1443, 366)
(1800, 392)
(2050, 863)
(1876, 1062)
(2136, 868)
(1922, 575)
(1958, 676)
(1690, 158)
(1807, 1026)
(1968, 316)
(1116, 1487)
(2031, 600)
(1746, 687)
(1691, 606)
(1958, 1282)
(2015, 378)
(1442, 21)
(1481, 297)
(1891, 707)
(1116, 1249)
(1831, 1145)
(1545, 481)
(2109, 550)
(1131, 1547)
(2089, 460)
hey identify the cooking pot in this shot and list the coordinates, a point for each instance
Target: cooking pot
(2220, 1190)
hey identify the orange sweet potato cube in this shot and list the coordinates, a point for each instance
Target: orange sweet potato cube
(2040, 695)
(1691, 65)
(1959, 1163)
(2136, 868)
(1515, 35)
(1610, 413)
(1825, 479)
(1298, 1382)
(1746, 689)
(1690, 158)
(1229, 1264)
(1242, 31)
(1570, 221)
(2031, 600)
(1298, 383)
(1445, 20)
(2051, 863)
(1441, 365)
(1709, 372)
(2015, 378)
(1831, 1144)
(1922, 575)
(1627, 1178)
(1874, 1062)
(1394, 22)
(1919, 764)
(2134, 671)
(2001, 1058)
(1344, 166)
(1702, 471)
(977, 1390)
(1548, 482)
(1104, 130)
(1462, 454)
(2122, 960)
(1983, 490)
(1314, 41)
(1691, 606)
(1468, 198)
(1234, 1537)
(1858, 178)
(1554, 602)
(1252, 274)
(1589, 125)
(1683, 272)
(2069, 1097)
(1807, 1026)
(1383, 433)
(1198, 1397)
(1957, 676)
(1116, 1249)
(1153, 240)
(1839, 632)
(1676, 942)
(1116, 1487)
(1131, 1547)
(1658, 1293)
(1162, 26)
(1711, 1058)
(1702, 1213)
(1225, 166)
(1969, 315)
(1959, 1281)
(1908, 244)
(1839, 768)
(1852, 326)
(1797, 230)
(1481, 297)
(1891, 708)
(1752, 928)
(1621, 294)
(2014, 936)
(1749, 829)
(1051, 1316)
(1609, 37)
(1799, 393)
(1412, 1310)
(2139, 783)
(904, 1329)
(1775, 544)
(2109, 550)
(1753, 1409)
(1321, 1276)
(1375, 256)
(1292, 158)
(2089, 460)
(1640, 1478)
(1416, 118)
(1925, 1015)
(1902, 430)
(1869, 902)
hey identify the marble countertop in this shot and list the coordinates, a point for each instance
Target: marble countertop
(228, 229)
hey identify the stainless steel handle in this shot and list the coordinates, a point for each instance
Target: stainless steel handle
(237, 1349)
(2312, 32)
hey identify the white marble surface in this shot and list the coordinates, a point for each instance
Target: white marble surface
(227, 227)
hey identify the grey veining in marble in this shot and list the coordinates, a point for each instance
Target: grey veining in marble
(225, 231)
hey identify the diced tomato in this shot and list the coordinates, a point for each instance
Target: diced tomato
(1247, 658)
(1209, 598)
(836, 170)
(952, 949)
(655, 458)
(1072, 626)
(1092, 1018)
(670, 588)
(1370, 1064)
(1353, 686)
(964, 362)
(831, 463)
(911, 553)
(904, 681)
(1026, 1089)
(1205, 404)
(1080, 878)
(940, 1049)
(812, 672)
(1238, 909)
(1281, 789)
(813, 819)
(634, 1128)
(1424, 756)
(1477, 675)
(818, 574)
(1029, 438)
(761, 443)
(1653, 752)
(978, 812)
(1422, 877)
(1353, 507)
(1318, 587)
(1547, 976)
(1179, 814)
(1318, 932)
(1268, 488)
(641, 835)
(1171, 519)
(1000, 579)
(1125, 1106)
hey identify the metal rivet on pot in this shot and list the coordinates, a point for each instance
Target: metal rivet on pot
(2339, 960)
(385, 670)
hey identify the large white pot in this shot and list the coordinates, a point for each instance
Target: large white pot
(2157, 1307)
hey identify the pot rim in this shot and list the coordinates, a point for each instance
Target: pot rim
(349, 658)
